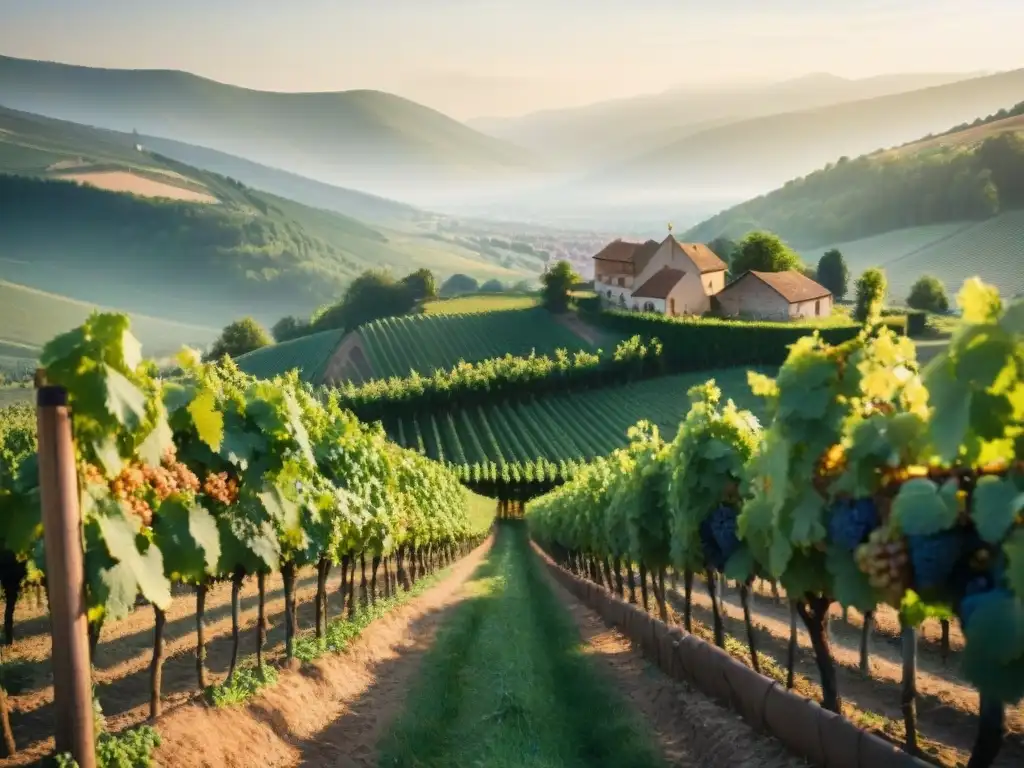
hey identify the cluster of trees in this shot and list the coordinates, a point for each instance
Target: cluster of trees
(460, 284)
(882, 192)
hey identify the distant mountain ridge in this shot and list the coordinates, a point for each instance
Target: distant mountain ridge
(368, 140)
(767, 151)
(589, 132)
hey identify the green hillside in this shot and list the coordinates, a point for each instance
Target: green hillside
(423, 343)
(29, 318)
(992, 249)
(968, 173)
(765, 151)
(163, 250)
(364, 139)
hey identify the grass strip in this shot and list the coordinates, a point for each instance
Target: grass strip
(507, 683)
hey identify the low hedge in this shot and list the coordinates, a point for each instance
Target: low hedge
(915, 320)
(694, 344)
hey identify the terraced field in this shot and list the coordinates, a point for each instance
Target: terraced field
(559, 428)
(424, 343)
(465, 305)
(309, 354)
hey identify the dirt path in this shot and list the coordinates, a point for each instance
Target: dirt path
(692, 729)
(332, 712)
(947, 705)
(348, 362)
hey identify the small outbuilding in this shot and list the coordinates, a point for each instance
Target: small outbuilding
(783, 296)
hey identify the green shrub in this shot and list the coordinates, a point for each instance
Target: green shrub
(695, 344)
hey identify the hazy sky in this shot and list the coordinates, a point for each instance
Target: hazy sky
(474, 58)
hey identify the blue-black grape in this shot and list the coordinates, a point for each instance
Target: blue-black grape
(851, 521)
(933, 558)
(713, 556)
(723, 527)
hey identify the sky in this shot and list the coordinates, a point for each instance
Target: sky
(478, 58)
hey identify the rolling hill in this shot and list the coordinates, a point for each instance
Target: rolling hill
(764, 152)
(967, 173)
(30, 318)
(202, 246)
(368, 140)
(583, 135)
(992, 249)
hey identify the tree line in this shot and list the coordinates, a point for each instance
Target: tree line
(884, 191)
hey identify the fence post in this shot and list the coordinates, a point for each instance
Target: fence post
(65, 577)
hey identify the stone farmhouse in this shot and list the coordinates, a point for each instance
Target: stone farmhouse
(674, 278)
(669, 277)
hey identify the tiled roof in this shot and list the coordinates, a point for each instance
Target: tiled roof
(793, 286)
(660, 285)
(703, 257)
(625, 251)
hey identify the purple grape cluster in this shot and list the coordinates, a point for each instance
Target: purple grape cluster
(934, 558)
(718, 537)
(851, 521)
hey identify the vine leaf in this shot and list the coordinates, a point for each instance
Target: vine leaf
(208, 420)
(995, 506)
(188, 538)
(119, 530)
(951, 416)
(993, 660)
(1012, 320)
(157, 443)
(850, 583)
(122, 399)
(108, 455)
(740, 566)
(922, 507)
(1014, 549)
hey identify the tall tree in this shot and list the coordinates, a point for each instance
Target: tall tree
(371, 296)
(492, 286)
(871, 287)
(459, 283)
(833, 273)
(239, 337)
(928, 294)
(763, 252)
(288, 328)
(421, 284)
(558, 281)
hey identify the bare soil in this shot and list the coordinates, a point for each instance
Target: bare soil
(125, 650)
(691, 729)
(348, 362)
(123, 181)
(329, 713)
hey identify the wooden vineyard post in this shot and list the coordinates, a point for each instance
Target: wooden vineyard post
(65, 567)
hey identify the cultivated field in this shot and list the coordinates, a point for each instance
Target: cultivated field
(466, 305)
(309, 354)
(136, 184)
(558, 428)
(397, 345)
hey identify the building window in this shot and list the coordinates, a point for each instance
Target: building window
(649, 306)
(609, 293)
(817, 307)
(622, 281)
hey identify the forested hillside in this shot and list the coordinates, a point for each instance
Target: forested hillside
(969, 173)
